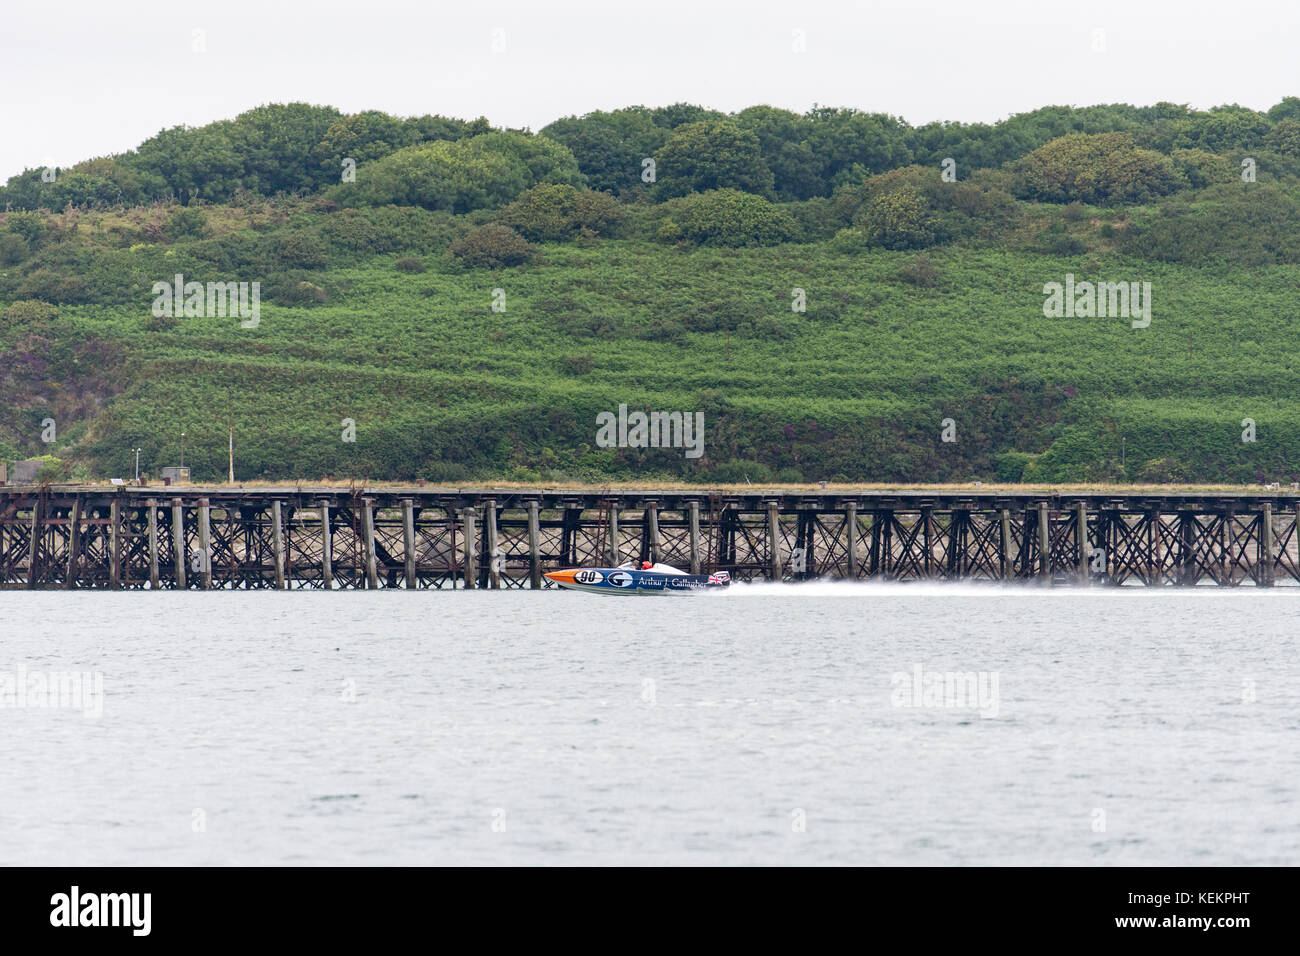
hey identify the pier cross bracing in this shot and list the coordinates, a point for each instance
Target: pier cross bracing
(458, 538)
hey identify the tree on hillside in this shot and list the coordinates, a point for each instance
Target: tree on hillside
(424, 128)
(278, 145)
(713, 154)
(192, 162)
(267, 150)
(1284, 138)
(1224, 128)
(1288, 108)
(545, 160)
(783, 144)
(679, 114)
(851, 144)
(363, 137)
(610, 147)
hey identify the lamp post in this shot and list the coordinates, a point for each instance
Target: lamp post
(182, 449)
(137, 465)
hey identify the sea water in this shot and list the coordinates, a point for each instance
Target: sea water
(769, 724)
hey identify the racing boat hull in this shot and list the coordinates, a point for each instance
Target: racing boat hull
(657, 580)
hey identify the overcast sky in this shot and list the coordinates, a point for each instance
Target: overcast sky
(82, 79)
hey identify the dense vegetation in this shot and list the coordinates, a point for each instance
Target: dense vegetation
(827, 288)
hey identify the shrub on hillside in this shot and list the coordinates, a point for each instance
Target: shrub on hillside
(920, 271)
(577, 364)
(240, 252)
(29, 225)
(962, 209)
(301, 250)
(492, 247)
(188, 223)
(49, 285)
(350, 229)
(293, 287)
(13, 249)
(815, 218)
(409, 264)
(414, 230)
(30, 310)
(1010, 466)
(1204, 169)
(1097, 169)
(1059, 243)
(726, 217)
(482, 172)
(309, 293)
(1252, 226)
(553, 212)
(898, 220)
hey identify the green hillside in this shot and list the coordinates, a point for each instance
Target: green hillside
(922, 297)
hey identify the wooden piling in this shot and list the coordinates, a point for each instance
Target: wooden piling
(34, 544)
(851, 539)
(879, 520)
(368, 542)
(1008, 560)
(927, 542)
(114, 545)
(471, 565)
(152, 503)
(1187, 549)
(1155, 563)
(774, 539)
(615, 545)
(326, 548)
(74, 545)
(958, 528)
(1044, 545)
(178, 542)
(277, 543)
(534, 546)
(408, 542)
(695, 537)
(1266, 541)
(205, 545)
(652, 516)
(493, 545)
(1081, 541)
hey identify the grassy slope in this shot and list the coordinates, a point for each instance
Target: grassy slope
(432, 375)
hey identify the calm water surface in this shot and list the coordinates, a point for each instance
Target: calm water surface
(764, 725)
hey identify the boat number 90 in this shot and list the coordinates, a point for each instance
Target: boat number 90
(589, 577)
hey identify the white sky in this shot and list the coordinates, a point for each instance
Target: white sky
(81, 79)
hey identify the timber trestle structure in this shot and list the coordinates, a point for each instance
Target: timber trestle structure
(221, 537)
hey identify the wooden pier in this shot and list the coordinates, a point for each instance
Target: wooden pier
(448, 538)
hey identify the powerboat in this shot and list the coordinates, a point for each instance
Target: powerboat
(637, 578)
